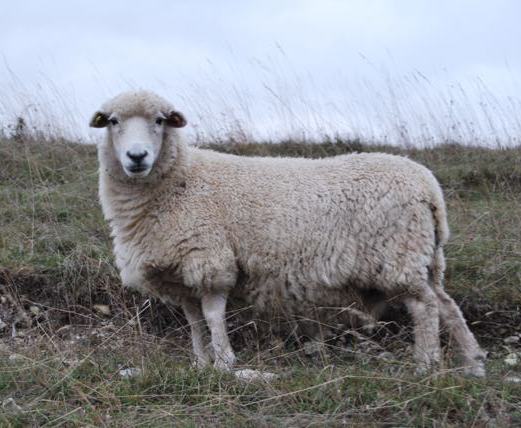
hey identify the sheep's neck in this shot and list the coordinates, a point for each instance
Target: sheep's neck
(131, 207)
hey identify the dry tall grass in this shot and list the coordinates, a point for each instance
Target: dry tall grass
(62, 359)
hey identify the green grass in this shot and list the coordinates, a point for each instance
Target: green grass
(91, 392)
(55, 253)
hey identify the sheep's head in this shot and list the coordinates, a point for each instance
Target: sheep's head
(137, 123)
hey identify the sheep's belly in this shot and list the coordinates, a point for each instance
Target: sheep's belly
(279, 295)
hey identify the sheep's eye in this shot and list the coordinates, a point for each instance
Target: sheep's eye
(114, 121)
(159, 121)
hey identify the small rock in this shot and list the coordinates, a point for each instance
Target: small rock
(2, 325)
(3, 299)
(10, 405)
(386, 356)
(130, 372)
(20, 334)
(98, 333)
(512, 359)
(35, 310)
(102, 310)
(313, 347)
(250, 375)
(13, 358)
(70, 362)
(512, 339)
(513, 379)
(349, 348)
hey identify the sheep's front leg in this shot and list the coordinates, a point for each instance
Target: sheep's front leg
(194, 316)
(214, 310)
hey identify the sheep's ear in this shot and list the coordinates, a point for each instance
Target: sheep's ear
(175, 119)
(99, 120)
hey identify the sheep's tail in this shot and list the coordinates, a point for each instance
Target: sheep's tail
(441, 236)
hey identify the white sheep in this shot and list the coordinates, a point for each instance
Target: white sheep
(194, 227)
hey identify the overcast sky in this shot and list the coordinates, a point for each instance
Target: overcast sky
(380, 69)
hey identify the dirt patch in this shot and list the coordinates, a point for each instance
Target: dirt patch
(28, 302)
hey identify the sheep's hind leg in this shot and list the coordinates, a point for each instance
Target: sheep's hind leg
(194, 316)
(452, 318)
(214, 310)
(424, 311)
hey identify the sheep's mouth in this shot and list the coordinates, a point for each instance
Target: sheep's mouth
(137, 171)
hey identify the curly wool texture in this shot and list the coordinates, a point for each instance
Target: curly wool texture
(278, 231)
(283, 234)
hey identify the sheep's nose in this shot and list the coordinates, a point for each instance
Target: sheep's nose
(137, 157)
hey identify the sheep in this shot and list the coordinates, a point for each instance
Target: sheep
(195, 228)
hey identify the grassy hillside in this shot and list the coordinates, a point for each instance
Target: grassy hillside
(61, 362)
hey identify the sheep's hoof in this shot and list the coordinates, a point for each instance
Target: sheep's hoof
(201, 363)
(250, 375)
(476, 366)
(224, 363)
(432, 370)
(475, 370)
